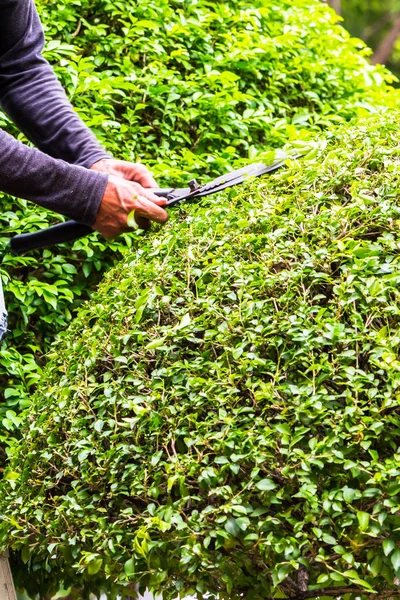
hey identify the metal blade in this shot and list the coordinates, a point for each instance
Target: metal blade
(223, 182)
(237, 177)
(178, 195)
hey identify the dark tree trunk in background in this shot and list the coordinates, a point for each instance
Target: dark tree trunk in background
(385, 48)
(336, 5)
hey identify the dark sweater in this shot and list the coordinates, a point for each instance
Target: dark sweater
(56, 175)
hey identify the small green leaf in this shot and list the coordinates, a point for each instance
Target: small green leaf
(11, 476)
(348, 494)
(129, 567)
(242, 223)
(348, 557)
(266, 485)
(388, 545)
(99, 424)
(185, 321)
(396, 560)
(25, 554)
(363, 520)
(155, 344)
(376, 565)
(232, 527)
(155, 459)
(94, 566)
(328, 539)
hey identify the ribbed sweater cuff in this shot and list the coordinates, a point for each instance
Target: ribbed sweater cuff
(92, 185)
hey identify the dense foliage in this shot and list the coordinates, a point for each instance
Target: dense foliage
(223, 415)
(188, 87)
(203, 387)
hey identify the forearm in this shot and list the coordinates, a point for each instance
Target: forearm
(38, 106)
(30, 93)
(70, 190)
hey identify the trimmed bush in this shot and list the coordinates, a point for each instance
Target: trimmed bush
(222, 417)
(188, 87)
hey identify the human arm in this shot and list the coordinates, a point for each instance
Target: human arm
(92, 198)
(28, 173)
(33, 98)
(31, 94)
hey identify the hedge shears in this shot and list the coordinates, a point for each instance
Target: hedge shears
(72, 230)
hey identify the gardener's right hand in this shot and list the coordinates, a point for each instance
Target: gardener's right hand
(120, 199)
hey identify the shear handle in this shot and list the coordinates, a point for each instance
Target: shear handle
(59, 234)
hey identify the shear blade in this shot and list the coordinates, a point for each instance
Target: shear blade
(237, 177)
(223, 182)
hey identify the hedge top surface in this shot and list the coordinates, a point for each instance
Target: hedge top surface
(223, 415)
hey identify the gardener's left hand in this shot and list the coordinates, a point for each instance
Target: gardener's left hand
(126, 170)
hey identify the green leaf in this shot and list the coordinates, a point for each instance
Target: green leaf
(395, 558)
(129, 567)
(388, 546)
(155, 459)
(348, 557)
(376, 565)
(266, 485)
(155, 344)
(11, 475)
(363, 520)
(348, 494)
(185, 321)
(99, 424)
(232, 527)
(242, 223)
(26, 554)
(94, 566)
(329, 539)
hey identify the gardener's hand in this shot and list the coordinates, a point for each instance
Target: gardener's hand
(121, 198)
(126, 170)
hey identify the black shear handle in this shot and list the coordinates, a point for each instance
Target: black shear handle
(57, 234)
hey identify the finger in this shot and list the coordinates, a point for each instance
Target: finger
(141, 174)
(146, 179)
(145, 208)
(149, 195)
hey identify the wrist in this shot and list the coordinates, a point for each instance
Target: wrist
(111, 217)
(101, 166)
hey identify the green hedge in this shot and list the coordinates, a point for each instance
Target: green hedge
(189, 87)
(222, 417)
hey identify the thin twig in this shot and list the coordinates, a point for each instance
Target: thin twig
(77, 30)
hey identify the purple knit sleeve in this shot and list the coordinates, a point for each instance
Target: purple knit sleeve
(33, 98)
(67, 189)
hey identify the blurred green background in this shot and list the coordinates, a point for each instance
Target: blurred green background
(377, 22)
